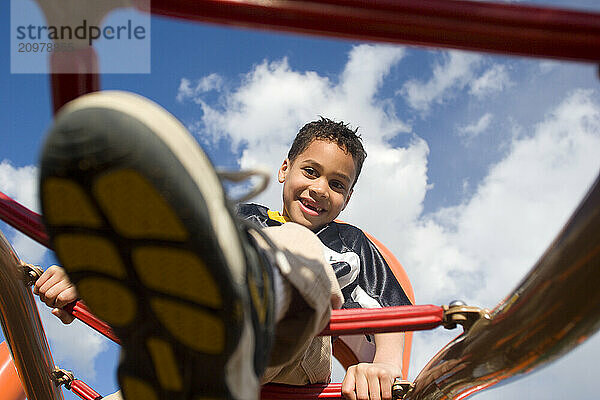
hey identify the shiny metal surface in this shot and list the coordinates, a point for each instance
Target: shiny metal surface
(23, 329)
(555, 308)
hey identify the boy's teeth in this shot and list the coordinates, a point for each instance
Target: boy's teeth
(311, 206)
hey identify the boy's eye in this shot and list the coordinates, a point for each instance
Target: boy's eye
(310, 171)
(338, 185)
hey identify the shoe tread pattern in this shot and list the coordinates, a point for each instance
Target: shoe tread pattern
(141, 266)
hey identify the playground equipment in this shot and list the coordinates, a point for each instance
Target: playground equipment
(534, 324)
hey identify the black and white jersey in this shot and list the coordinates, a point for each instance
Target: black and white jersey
(364, 276)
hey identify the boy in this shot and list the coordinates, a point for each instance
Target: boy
(138, 218)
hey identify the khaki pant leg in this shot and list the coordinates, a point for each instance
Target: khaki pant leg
(115, 396)
(298, 357)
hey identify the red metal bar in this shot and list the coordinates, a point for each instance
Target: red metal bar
(387, 319)
(479, 26)
(81, 389)
(83, 77)
(23, 219)
(343, 322)
(82, 313)
(285, 392)
(331, 391)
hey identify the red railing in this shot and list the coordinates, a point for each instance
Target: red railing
(81, 389)
(480, 26)
(23, 219)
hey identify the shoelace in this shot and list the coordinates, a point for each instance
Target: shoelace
(243, 175)
(279, 257)
(239, 176)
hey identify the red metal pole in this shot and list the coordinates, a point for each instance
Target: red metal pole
(82, 313)
(331, 391)
(285, 392)
(23, 219)
(73, 73)
(343, 322)
(387, 319)
(479, 26)
(81, 389)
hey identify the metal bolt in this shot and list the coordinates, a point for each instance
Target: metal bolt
(31, 273)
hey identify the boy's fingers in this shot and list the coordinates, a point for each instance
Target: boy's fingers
(62, 293)
(372, 375)
(386, 383)
(64, 316)
(50, 281)
(54, 287)
(66, 296)
(46, 301)
(374, 388)
(348, 384)
(362, 387)
(47, 274)
(48, 293)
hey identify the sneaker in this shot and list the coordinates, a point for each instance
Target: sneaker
(139, 220)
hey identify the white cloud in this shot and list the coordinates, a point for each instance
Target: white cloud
(483, 246)
(495, 79)
(273, 101)
(75, 346)
(480, 249)
(205, 84)
(20, 183)
(548, 66)
(472, 130)
(452, 74)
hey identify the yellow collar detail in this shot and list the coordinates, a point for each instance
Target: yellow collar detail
(276, 216)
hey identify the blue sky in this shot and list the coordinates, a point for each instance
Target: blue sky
(475, 161)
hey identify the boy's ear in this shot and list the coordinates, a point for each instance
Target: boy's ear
(283, 170)
(348, 199)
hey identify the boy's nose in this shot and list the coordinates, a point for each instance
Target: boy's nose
(319, 189)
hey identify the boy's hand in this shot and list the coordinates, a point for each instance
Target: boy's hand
(370, 381)
(56, 290)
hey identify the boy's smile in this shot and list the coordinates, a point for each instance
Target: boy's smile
(317, 184)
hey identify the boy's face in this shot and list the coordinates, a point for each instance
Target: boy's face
(317, 184)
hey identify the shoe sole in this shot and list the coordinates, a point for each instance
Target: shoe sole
(139, 222)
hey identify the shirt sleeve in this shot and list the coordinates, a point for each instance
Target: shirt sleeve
(365, 278)
(376, 278)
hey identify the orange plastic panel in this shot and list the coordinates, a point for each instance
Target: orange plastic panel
(10, 385)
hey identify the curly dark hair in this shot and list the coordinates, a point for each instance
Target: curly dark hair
(339, 133)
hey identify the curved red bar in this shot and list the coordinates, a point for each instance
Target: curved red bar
(342, 322)
(81, 389)
(478, 26)
(23, 219)
(67, 87)
(387, 319)
(82, 313)
(279, 392)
